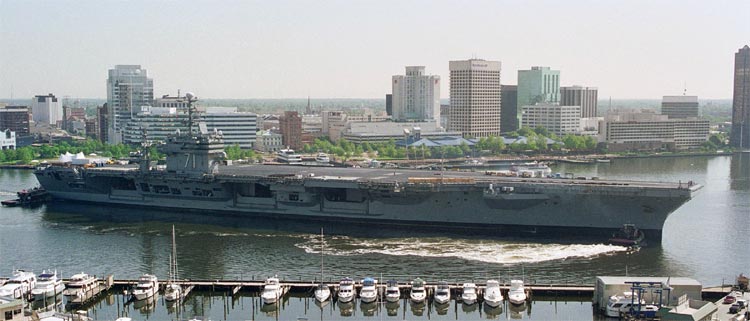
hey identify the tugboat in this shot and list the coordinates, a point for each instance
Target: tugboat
(29, 197)
(628, 235)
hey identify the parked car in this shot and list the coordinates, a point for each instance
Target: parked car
(729, 299)
(742, 303)
(735, 308)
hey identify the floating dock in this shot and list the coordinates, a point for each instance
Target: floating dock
(92, 293)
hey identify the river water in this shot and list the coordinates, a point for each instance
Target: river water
(707, 239)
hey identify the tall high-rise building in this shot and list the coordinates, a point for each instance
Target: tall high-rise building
(741, 100)
(586, 97)
(128, 89)
(290, 124)
(538, 85)
(475, 97)
(389, 104)
(416, 96)
(679, 106)
(508, 108)
(46, 109)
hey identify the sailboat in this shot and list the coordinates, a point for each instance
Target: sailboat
(322, 292)
(173, 291)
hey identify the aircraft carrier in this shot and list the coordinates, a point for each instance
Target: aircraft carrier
(195, 180)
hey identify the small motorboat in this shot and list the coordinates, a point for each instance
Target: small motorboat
(369, 291)
(628, 235)
(147, 287)
(469, 293)
(492, 295)
(517, 293)
(620, 304)
(272, 291)
(392, 291)
(442, 293)
(346, 290)
(417, 293)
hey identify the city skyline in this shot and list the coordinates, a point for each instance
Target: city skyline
(292, 49)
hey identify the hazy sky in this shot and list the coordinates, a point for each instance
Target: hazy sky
(350, 48)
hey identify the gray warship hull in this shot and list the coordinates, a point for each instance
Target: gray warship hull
(464, 201)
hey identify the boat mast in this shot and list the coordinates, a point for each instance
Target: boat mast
(321, 255)
(174, 257)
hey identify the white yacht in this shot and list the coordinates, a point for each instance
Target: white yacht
(288, 156)
(79, 285)
(272, 291)
(392, 291)
(621, 304)
(442, 293)
(417, 293)
(19, 285)
(346, 290)
(322, 158)
(517, 293)
(469, 293)
(492, 295)
(47, 286)
(369, 291)
(173, 291)
(148, 286)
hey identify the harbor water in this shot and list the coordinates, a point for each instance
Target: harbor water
(707, 239)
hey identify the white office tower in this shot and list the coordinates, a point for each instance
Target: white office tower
(128, 89)
(475, 97)
(416, 96)
(46, 109)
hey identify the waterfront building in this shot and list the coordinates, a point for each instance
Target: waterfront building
(290, 125)
(508, 108)
(15, 118)
(586, 97)
(267, 141)
(589, 126)
(679, 106)
(237, 128)
(128, 89)
(559, 120)
(46, 109)
(475, 97)
(7, 139)
(537, 85)
(740, 136)
(383, 131)
(607, 286)
(416, 96)
(648, 130)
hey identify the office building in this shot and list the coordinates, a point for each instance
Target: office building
(92, 127)
(46, 109)
(475, 97)
(156, 123)
(537, 85)
(557, 119)
(586, 97)
(102, 123)
(740, 137)
(508, 108)
(647, 130)
(128, 89)
(679, 106)
(416, 96)
(382, 131)
(15, 118)
(389, 104)
(290, 125)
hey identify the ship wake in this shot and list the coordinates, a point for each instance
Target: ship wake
(488, 251)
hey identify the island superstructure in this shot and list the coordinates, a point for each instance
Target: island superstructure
(194, 179)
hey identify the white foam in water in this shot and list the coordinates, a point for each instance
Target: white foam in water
(490, 251)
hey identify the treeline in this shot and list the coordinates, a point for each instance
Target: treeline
(25, 155)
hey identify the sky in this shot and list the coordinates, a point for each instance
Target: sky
(351, 48)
